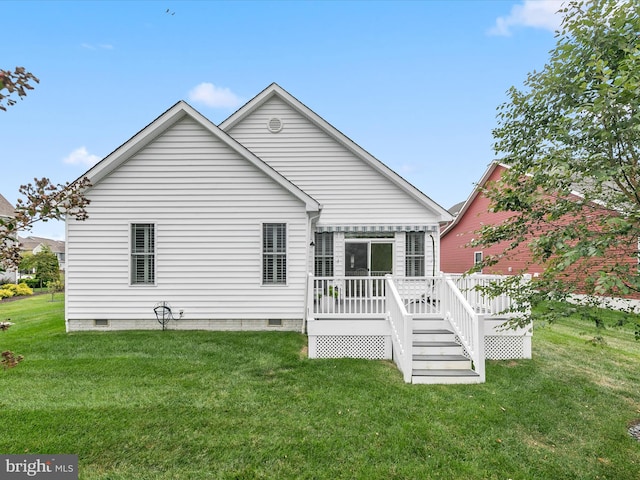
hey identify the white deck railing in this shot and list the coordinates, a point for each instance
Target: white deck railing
(471, 287)
(420, 295)
(346, 295)
(401, 323)
(467, 324)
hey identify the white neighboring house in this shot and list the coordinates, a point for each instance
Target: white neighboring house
(272, 220)
(7, 211)
(36, 244)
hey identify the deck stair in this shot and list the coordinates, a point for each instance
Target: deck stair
(437, 357)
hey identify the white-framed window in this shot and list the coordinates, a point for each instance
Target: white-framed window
(274, 253)
(324, 254)
(477, 259)
(143, 254)
(414, 257)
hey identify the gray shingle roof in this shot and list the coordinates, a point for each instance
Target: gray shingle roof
(6, 209)
(455, 210)
(29, 243)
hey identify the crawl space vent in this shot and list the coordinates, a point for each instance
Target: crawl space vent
(274, 125)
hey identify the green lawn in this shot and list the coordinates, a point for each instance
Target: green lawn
(193, 405)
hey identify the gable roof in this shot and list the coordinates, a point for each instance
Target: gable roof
(6, 209)
(480, 186)
(275, 90)
(29, 243)
(169, 118)
(476, 190)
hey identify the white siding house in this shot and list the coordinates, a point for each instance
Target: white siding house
(272, 220)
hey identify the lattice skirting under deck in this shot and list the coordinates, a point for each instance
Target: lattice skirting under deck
(377, 347)
(504, 347)
(373, 347)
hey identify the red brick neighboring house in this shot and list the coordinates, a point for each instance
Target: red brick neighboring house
(456, 254)
(458, 257)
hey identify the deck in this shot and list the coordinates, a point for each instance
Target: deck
(384, 317)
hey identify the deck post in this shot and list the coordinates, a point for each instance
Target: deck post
(480, 367)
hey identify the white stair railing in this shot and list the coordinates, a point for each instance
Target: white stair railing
(401, 330)
(466, 323)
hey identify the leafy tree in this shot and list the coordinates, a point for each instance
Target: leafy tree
(46, 265)
(26, 262)
(55, 287)
(16, 82)
(572, 140)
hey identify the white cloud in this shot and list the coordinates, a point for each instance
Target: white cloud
(531, 13)
(212, 96)
(80, 156)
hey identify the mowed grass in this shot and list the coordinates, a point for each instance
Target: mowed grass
(196, 405)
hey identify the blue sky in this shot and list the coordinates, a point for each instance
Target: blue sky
(414, 83)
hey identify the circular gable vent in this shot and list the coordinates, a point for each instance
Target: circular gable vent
(274, 125)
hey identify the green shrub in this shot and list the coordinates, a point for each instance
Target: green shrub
(33, 282)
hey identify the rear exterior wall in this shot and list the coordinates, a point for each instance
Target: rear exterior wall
(208, 204)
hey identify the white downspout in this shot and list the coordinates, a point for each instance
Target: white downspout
(309, 257)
